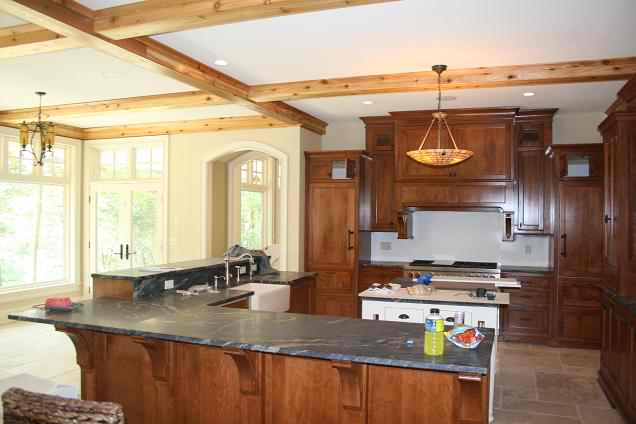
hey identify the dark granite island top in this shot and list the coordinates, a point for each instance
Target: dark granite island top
(181, 268)
(190, 320)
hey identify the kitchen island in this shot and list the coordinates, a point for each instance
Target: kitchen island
(174, 359)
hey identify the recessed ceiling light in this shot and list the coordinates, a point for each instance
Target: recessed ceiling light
(368, 102)
(528, 94)
(111, 75)
(221, 62)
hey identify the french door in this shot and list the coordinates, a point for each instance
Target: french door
(126, 226)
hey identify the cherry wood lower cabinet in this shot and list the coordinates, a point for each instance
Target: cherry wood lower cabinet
(370, 274)
(301, 296)
(528, 317)
(164, 382)
(617, 376)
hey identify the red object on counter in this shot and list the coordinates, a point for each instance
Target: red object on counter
(58, 302)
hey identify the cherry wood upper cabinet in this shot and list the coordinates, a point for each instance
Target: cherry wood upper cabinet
(332, 209)
(533, 131)
(487, 132)
(382, 191)
(580, 236)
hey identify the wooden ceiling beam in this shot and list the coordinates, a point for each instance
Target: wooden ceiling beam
(61, 130)
(189, 99)
(183, 127)
(160, 16)
(28, 39)
(485, 77)
(155, 57)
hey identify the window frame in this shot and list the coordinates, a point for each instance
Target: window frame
(71, 182)
(270, 198)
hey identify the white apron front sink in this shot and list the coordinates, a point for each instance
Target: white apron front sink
(267, 297)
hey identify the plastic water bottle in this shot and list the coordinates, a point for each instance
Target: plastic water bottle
(434, 335)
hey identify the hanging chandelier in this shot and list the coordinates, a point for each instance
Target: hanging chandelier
(38, 136)
(439, 156)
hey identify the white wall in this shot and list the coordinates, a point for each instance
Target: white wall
(188, 152)
(471, 236)
(344, 136)
(577, 128)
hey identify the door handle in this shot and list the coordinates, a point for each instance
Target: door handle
(128, 252)
(607, 219)
(564, 251)
(121, 252)
(349, 234)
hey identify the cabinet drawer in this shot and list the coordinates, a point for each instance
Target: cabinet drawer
(404, 315)
(530, 297)
(526, 321)
(335, 281)
(530, 283)
(345, 306)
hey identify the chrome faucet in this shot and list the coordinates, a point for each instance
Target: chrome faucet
(228, 259)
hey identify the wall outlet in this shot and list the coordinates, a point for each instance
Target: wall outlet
(168, 284)
(528, 249)
(385, 245)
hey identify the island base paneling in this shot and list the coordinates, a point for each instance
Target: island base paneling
(165, 382)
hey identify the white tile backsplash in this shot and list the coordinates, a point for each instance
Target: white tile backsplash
(470, 236)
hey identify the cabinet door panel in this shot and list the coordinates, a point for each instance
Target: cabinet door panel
(382, 188)
(526, 321)
(492, 145)
(332, 228)
(345, 306)
(531, 208)
(582, 324)
(580, 240)
(575, 292)
(410, 138)
(609, 242)
(380, 138)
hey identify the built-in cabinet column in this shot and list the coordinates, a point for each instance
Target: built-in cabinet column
(578, 244)
(336, 209)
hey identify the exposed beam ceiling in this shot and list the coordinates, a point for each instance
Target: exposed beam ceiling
(484, 77)
(154, 56)
(190, 99)
(27, 39)
(181, 127)
(160, 16)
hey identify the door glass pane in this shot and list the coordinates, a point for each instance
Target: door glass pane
(252, 219)
(107, 233)
(145, 228)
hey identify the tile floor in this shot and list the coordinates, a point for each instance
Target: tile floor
(535, 384)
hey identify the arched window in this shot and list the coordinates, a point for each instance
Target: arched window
(252, 213)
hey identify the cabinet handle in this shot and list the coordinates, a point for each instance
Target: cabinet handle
(349, 245)
(525, 319)
(564, 251)
(525, 296)
(403, 316)
(607, 219)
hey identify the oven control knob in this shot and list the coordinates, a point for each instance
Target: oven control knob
(417, 275)
(411, 275)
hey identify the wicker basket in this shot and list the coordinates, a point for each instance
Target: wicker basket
(24, 407)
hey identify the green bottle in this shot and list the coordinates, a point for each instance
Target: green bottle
(434, 335)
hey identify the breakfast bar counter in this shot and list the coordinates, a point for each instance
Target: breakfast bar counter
(175, 359)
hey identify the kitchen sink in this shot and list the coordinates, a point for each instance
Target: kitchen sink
(267, 297)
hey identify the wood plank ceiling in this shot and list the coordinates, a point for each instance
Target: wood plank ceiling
(122, 32)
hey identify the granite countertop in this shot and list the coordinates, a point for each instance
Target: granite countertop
(384, 264)
(504, 268)
(527, 269)
(190, 320)
(183, 267)
(283, 277)
(448, 297)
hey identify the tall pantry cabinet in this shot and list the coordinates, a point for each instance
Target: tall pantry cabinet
(336, 209)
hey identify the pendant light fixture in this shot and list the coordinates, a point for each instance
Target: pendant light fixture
(29, 131)
(439, 156)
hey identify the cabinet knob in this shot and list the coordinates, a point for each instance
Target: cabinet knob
(403, 316)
